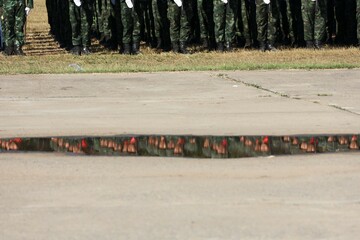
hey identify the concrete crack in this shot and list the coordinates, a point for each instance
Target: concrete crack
(284, 95)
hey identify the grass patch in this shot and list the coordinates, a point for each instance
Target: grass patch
(149, 61)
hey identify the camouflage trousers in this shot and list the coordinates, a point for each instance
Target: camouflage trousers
(179, 22)
(14, 20)
(293, 12)
(206, 18)
(130, 22)
(267, 18)
(105, 17)
(244, 15)
(224, 18)
(81, 21)
(314, 17)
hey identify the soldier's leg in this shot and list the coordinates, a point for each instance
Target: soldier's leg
(220, 21)
(308, 14)
(9, 30)
(19, 29)
(186, 15)
(350, 31)
(75, 20)
(118, 24)
(157, 22)
(245, 17)
(105, 20)
(231, 11)
(86, 22)
(174, 16)
(127, 22)
(320, 23)
(274, 22)
(136, 33)
(262, 13)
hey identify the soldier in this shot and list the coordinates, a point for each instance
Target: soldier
(179, 25)
(267, 18)
(81, 13)
(314, 16)
(224, 17)
(247, 11)
(131, 27)
(15, 13)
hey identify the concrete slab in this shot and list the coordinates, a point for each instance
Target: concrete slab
(200, 103)
(48, 196)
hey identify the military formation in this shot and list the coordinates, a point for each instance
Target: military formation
(174, 25)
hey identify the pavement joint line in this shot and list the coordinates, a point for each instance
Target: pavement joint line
(226, 77)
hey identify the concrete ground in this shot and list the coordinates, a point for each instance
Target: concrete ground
(51, 196)
(219, 103)
(54, 196)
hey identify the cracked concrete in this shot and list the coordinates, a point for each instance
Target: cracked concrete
(201, 103)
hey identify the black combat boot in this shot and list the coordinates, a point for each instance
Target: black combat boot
(318, 45)
(127, 49)
(8, 51)
(18, 51)
(136, 48)
(175, 47)
(85, 51)
(220, 47)
(262, 46)
(310, 44)
(76, 50)
(183, 48)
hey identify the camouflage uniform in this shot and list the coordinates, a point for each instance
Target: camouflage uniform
(105, 20)
(131, 28)
(14, 20)
(247, 11)
(81, 19)
(224, 17)
(267, 18)
(179, 25)
(314, 16)
(206, 21)
(293, 13)
(345, 11)
(161, 23)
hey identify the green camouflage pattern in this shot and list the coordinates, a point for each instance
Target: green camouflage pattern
(224, 18)
(179, 21)
(14, 21)
(81, 19)
(314, 15)
(130, 22)
(267, 19)
(205, 10)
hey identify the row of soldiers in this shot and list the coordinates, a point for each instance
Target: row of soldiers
(212, 24)
(174, 24)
